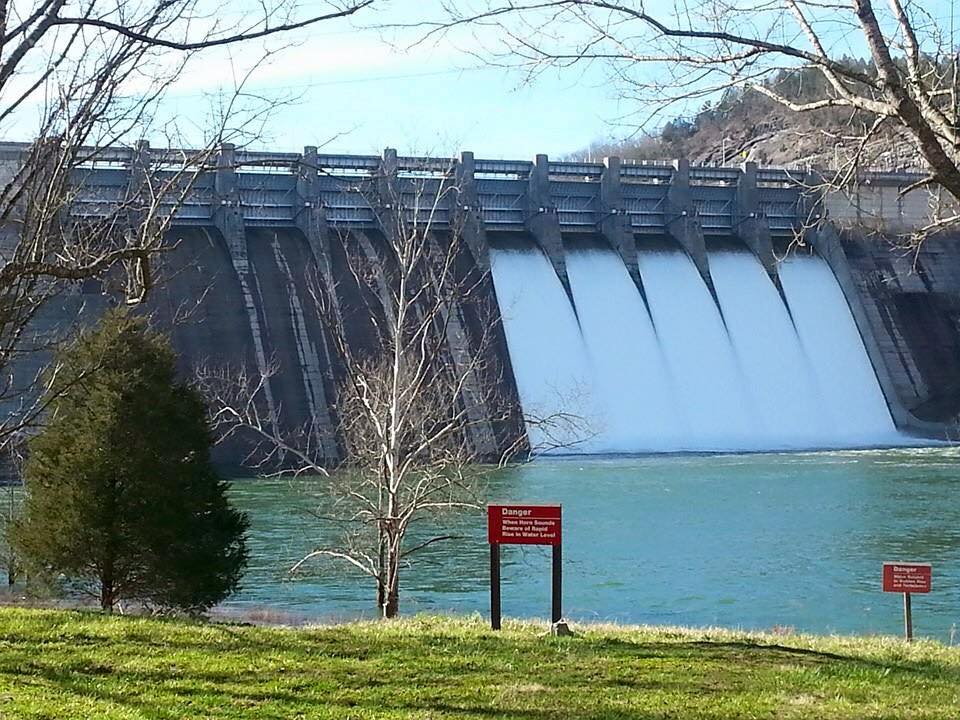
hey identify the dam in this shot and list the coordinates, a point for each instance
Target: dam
(668, 308)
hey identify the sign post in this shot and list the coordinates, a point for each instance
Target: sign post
(907, 578)
(524, 525)
(556, 611)
(495, 586)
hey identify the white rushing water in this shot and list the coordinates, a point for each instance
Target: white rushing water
(634, 393)
(847, 381)
(784, 398)
(686, 375)
(709, 385)
(549, 359)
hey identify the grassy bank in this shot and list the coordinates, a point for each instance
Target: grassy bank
(56, 664)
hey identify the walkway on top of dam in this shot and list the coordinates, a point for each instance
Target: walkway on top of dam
(352, 191)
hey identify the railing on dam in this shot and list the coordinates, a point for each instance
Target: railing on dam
(272, 189)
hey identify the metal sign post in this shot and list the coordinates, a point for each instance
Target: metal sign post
(495, 586)
(557, 590)
(524, 525)
(907, 617)
(907, 578)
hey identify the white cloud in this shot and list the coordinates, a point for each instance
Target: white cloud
(328, 58)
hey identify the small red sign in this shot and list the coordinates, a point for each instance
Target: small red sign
(523, 524)
(907, 577)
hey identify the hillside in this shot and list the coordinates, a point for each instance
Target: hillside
(745, 125)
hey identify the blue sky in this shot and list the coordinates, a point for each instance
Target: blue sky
(358, 90)
(353, 88)
(485, 110)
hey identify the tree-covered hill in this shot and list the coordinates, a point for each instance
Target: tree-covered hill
(745, 124)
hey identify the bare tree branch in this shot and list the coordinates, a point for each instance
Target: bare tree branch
(90, 75)
(668, 58)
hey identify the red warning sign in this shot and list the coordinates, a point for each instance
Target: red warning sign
(523, 524)
(907, 577)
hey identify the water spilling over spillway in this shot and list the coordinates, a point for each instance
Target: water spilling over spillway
(611, 371)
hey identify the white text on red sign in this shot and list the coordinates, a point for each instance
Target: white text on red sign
(907, 577)
(523, 524)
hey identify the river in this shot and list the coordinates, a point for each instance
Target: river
(754, 541)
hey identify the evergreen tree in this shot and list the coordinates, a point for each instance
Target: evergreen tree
(121, 496)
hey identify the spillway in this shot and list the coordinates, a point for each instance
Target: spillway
(549, 358)
(634, 394)
(847, 381)
(710, 394)
(784, 399)
(679, 369)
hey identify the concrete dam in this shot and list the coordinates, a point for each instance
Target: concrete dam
(668, 307)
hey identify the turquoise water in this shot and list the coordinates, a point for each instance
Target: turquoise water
(751, 541)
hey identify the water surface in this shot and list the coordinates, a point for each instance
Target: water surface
(751, 541)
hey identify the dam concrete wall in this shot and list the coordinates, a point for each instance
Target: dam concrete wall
(270, 324)
(261, 233)
(912, 301)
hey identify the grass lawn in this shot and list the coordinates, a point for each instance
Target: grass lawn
(56, 664)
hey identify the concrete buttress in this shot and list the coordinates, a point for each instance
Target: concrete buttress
(614, 223)
(683, 225)
(228, 219)
(542, 221)
(467, 220)
(316, 372)
(751, 227)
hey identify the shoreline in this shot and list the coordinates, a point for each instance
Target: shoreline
(271, 618)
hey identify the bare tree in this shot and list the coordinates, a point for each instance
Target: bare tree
(418, 392)
(83, 80)
(674, 57)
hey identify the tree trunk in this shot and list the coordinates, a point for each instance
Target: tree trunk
(391, 608)
(382, 577)
(106, 598)
(391, 604)
(107, 591)
(944, 167)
